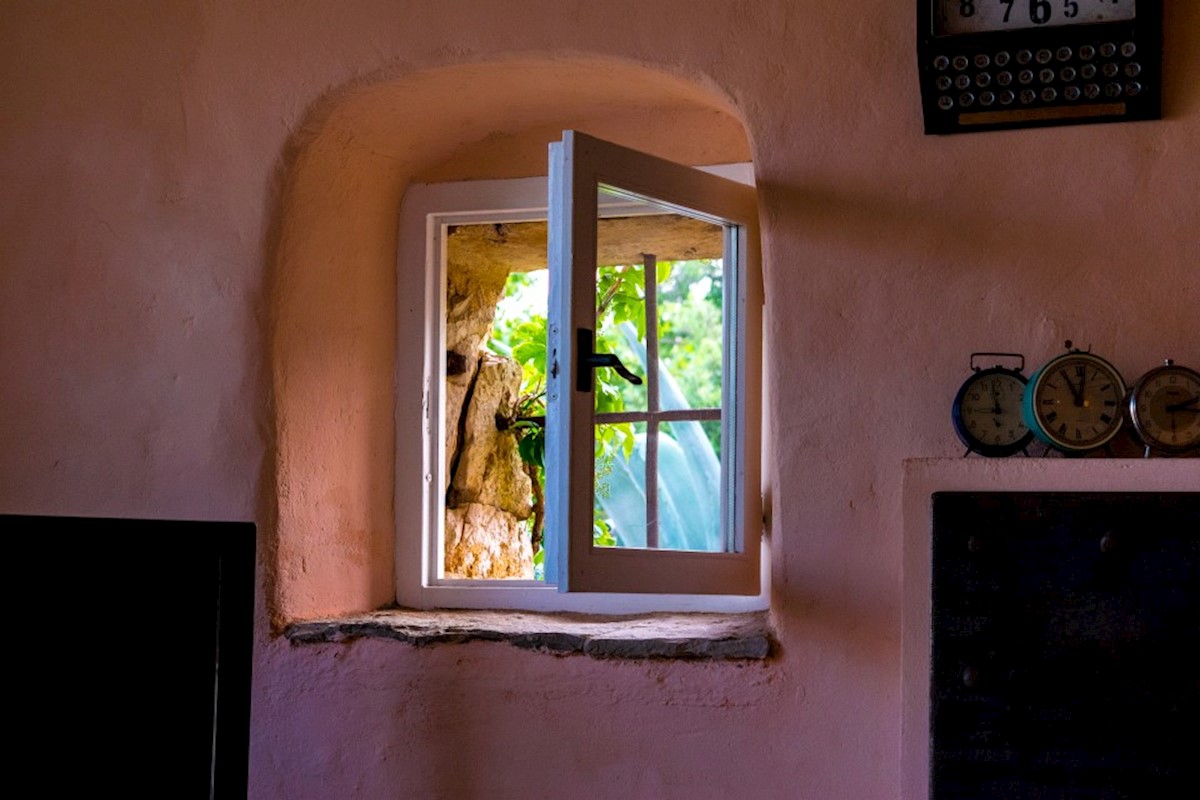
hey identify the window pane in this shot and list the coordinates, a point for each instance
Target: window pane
(495, 342)
(656, 263)
(620, 330)
(619, 499)
(689, 488)
(690, 319)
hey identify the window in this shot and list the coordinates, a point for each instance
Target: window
(623, 474)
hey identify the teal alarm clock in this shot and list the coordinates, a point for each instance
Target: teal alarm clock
(1074, 402)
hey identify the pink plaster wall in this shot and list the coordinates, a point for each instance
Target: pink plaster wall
(197, 320)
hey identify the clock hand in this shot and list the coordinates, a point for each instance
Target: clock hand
(1186, 405)
(1084, 402)
(1076, 393)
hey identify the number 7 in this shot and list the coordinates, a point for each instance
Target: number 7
(1008, 10)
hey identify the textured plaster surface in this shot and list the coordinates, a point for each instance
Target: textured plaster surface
(200, 309)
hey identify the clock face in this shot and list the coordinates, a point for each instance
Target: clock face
(978, 16)
(987, 413)
(1074, 403)
(1165, 408)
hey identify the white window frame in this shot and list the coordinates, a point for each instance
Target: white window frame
(427, 210)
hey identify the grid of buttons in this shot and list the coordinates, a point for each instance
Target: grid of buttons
(1102, 71)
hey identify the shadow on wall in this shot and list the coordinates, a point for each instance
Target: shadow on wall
(339, 303)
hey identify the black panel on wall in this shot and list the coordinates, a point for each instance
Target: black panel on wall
(1066, 629)
(116, 631)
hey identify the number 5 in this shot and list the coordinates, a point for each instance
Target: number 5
(1070, 9)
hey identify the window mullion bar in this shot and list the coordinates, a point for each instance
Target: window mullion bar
(668, 415)
(650, 282)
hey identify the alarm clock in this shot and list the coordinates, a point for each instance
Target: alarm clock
(986, 412)
(1164, 407)
(1074, 402)
(990, 64)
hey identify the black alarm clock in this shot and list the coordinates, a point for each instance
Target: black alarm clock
(987, 409)
(989, 64)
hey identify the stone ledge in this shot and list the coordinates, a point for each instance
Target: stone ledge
(700, 637)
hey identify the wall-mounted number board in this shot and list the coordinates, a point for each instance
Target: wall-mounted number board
(991, 64)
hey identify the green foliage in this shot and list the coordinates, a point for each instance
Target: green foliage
(690, 350)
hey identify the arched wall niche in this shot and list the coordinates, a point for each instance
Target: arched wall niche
(339, 391)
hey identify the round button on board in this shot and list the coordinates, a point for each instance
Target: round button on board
(963, 82)
(1063, 53)
(1110, 70)
(1133, 89)
(986, 98)
(1091, 91)
(1108, 50)
(1026, 76)
(1067, 74)
(1087, 52)
(1024, 56)
(1113, 89)
(941, 63)
(960, 62)
(1071, 93)
(943, 83)
(1001, 58)
(945, 102)
(1087, 71)
(1046, 75)
(1128, 49)
(1044, 56)
(1049, 94)
(982, 61)
(1133, 69)
(983, 79)
(1006, 97)
(966, 99)
(1028, 96)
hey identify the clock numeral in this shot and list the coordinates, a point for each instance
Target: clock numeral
(1040, 11)
(1053, 415)
(1062, 429)
(1105, 418)
(966, 8)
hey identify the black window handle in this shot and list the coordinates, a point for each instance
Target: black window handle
(589, 360)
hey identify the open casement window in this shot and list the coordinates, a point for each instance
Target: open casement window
(542, 492)
(676, 509)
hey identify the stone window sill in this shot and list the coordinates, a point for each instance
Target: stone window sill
(698, 637)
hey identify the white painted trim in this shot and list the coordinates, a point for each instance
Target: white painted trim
(586, 164)
(425, 208)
